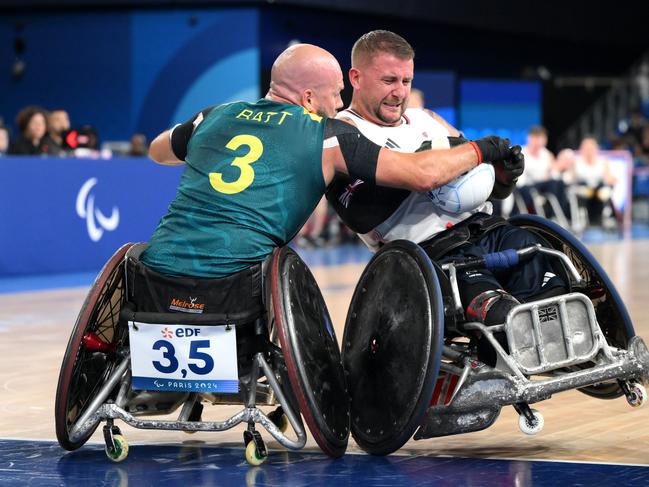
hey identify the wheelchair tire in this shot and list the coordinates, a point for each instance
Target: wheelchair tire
(82, 372)
(392, 347)
(610, 310)
(311, 351)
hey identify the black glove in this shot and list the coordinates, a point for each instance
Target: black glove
(492, 148)
(507, 173)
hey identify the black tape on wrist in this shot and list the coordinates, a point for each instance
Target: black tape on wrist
(361, 154)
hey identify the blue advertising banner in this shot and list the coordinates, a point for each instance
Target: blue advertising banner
(70, 215)
(507, 108)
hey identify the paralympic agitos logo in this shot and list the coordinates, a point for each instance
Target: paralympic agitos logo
(96, 221)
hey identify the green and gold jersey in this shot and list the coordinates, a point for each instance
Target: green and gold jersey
(253, 176)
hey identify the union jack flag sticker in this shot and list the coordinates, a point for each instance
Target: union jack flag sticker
(548, 314)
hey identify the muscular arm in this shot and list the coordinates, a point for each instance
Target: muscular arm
(423, 171)
(347, 151)
(161, 152)
(170, 147)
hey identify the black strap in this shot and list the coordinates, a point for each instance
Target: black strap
(466, 231)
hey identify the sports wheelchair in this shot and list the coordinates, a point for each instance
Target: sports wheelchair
(283, 351)
(411, 367)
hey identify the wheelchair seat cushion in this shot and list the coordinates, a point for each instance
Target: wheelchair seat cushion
(150, 291)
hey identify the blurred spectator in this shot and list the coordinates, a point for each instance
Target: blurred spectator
(32, 124)
(642, 83)
(634, 127)
(564, 167)
(593, 175)
(138, 145)
(4, 140)
(642, 149)
(538, 176)
(416, 99)
(58, 123)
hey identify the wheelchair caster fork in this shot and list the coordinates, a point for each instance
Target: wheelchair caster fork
(116, 444)
(636, 394)
(530, 421)
(256, 452)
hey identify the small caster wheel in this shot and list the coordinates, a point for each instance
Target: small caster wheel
(253, 456)
(531, 427)
(279, 419)
(119, 451)
(637, 395)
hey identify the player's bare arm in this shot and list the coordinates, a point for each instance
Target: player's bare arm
(161, 151)
(347, 151)
(170, 147)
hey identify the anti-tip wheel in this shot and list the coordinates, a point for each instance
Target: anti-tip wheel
(531, 427)
(252, 455)
(120, 451)
(638, 395)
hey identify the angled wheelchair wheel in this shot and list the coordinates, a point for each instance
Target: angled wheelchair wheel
(310, 349)
(89, 358)
(392, 348)
(610, 310)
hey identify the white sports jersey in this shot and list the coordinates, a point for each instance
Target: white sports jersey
(417, 219)
(537, 168)
(592, 175)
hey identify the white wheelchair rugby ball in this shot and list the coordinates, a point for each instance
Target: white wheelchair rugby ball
(466, 192)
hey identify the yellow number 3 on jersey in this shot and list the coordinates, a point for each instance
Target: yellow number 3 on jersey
(247, 176)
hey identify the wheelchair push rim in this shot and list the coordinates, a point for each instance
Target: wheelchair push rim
(611, 312)
(84, 369)
(392, 347)
(310, 350)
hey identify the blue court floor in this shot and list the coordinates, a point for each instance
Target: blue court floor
(46, 464)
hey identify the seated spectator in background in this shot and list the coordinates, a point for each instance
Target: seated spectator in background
(634, 128)
(4, 140)
(593, 175)
(564, 166)
(642, 149)
(538, 175)
(32, 124)
(139, 146)
(58, 122)
(416, 99)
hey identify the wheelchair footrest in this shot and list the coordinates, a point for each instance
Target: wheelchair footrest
(553, 333)
(485, 391)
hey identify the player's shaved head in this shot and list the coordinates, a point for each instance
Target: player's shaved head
(300, 69)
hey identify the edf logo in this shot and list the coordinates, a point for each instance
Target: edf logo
(96, 221)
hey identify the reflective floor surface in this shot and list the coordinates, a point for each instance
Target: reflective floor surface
(44, 463)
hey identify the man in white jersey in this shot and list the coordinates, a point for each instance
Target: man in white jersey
(381, 75)
(540, 171)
